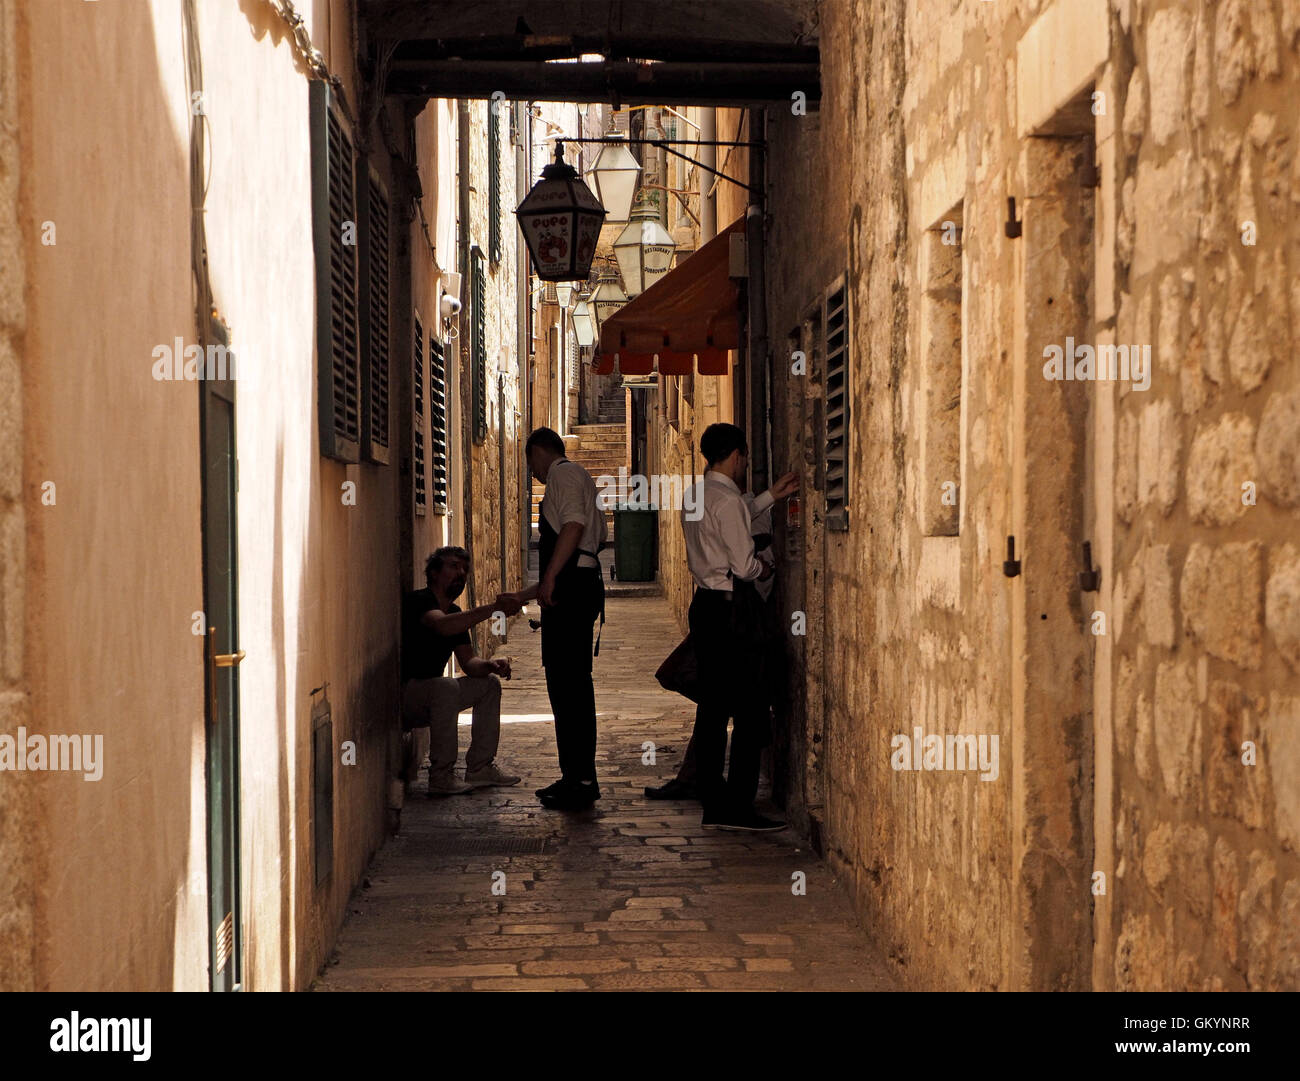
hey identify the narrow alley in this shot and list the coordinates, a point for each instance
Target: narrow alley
(630, 895)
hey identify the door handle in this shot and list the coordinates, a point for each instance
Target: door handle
(228, 660)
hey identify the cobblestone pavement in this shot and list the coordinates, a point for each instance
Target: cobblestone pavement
(630, 895)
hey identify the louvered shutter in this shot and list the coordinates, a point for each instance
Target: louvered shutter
(835, 321)
(439, 464)
(479, 349)
(494, 183)
(334, 236)
(419, 478)
(376, 270)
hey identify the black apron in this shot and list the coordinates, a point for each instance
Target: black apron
(573, 585)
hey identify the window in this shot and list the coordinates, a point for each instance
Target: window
(374, 319)
(438, 458)
(494, 182)
(417, 409)
(835, 326)
(941, 377)
(478, 346)
(334, 236)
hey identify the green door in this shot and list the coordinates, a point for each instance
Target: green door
(222, 657)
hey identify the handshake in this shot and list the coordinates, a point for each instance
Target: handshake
(509, 603)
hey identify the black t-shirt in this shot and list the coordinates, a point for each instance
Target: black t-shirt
(425, 652)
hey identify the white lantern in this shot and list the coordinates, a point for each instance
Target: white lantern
(607, 298)
(644, 250)
(615, 174)
(584, 325)
(564, 293)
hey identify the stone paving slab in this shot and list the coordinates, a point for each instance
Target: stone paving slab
(631, 895)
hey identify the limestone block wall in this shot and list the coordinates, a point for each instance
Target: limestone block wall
(1139, 140)
(483, 506)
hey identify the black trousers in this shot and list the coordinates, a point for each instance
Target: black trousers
(727, 691)
(566, 656)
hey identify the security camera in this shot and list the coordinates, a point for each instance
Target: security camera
(449, 306)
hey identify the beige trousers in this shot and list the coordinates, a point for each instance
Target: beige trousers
(436, 703)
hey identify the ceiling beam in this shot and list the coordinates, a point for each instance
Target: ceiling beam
(614, 47)
(629, 83)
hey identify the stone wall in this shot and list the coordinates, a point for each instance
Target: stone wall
(17, 813)
(1121, 710)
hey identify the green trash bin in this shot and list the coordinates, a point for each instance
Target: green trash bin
(635, 529)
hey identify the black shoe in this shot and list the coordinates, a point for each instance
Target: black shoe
(572, 797)
(674, 789)
(742, 822)
(552, 790)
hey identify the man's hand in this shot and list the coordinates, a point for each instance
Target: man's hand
(507, 603)
(546, 591)
(500, 666)
(787, 485)
(767, 571)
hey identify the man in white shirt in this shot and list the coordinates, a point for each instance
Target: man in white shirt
(720, 554)
(572, 594)
(760, 528)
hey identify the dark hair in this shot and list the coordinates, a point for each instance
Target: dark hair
(434, 563)
(547, 439)
(719, 440)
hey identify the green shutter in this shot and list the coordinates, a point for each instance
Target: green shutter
(334, 223)
(835, 324)
(438, 457)
(375, 272)
(494, 183)
(479, 349)
(417, 411)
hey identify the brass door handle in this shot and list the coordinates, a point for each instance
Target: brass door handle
(228, 660)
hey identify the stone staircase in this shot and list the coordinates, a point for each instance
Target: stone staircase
(602, 449)
(612, 406)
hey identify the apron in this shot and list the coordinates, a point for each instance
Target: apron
(569, 582)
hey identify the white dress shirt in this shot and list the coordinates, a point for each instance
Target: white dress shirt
(719, 539)
(760, 521)
(571, 497)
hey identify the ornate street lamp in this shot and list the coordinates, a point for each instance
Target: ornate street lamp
(607, 298)
(644, 249)
(615, 174)
(584, 325)
(561, 221)
(564, 293)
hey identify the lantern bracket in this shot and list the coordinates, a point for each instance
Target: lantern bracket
(663, 145)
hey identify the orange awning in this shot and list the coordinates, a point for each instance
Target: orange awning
(691, 312)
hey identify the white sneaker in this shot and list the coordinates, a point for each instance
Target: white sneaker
(490, 775)
(447, 785)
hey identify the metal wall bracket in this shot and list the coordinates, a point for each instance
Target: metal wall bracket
(1011, 565)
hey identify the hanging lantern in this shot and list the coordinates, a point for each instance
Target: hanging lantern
(615, 174)
(644, 249)
(584, 325)
(564, 293)
(561, 221)
(607, 298)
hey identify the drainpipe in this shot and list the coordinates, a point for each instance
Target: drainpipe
(756, 292)
(466, 361)
(708, 158)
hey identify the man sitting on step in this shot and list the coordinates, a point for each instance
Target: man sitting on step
(433, 628)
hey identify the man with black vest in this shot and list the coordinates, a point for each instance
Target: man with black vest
(572, 595)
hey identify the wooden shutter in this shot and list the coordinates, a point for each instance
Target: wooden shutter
(417, 409)
(438, 457)
(375, 273)
(494, 183)
(479, 349)
(835, 324)
(334, 236)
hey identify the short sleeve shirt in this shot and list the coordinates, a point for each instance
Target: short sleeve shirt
(425, 652)
(571, 497)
